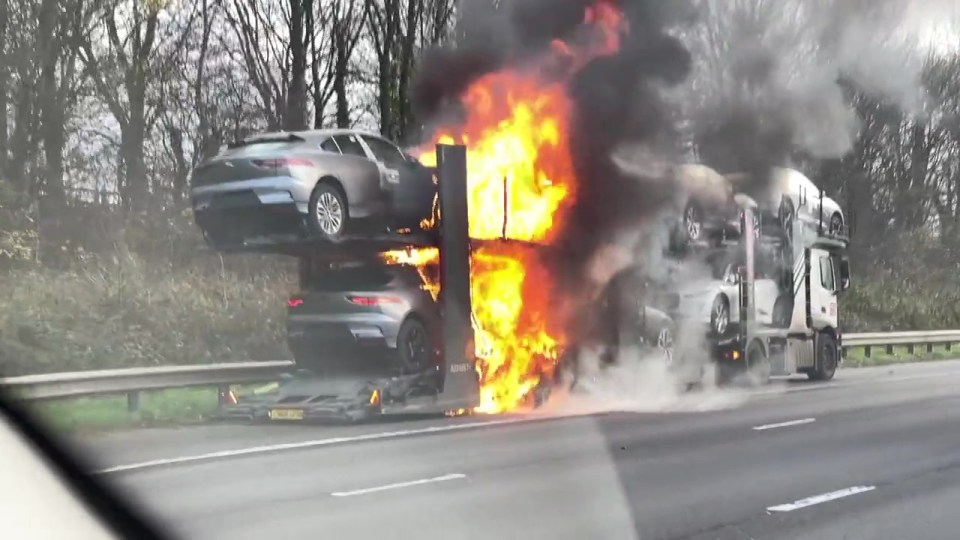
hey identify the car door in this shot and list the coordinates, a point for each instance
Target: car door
(410, 184)
(766, 288)
(823, 290)
(358, 172)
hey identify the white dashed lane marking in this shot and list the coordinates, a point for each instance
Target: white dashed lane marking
(399, 485)
(799, 422)
(818, 499)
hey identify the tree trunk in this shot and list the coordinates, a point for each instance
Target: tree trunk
(340, 67)
(294, 117)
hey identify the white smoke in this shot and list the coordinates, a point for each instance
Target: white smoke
(638, 382)
(786, 60)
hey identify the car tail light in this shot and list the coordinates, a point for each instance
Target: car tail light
(279, 163)
(373, 300)
(295, 302)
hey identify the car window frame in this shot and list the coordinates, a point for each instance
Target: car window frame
(359, 140)
(333, 140)
(401, 158)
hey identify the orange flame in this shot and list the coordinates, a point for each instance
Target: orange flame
(521, 182)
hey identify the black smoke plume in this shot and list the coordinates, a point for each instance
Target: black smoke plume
(617, 100)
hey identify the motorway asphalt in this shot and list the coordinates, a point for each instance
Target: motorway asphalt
(873, 454)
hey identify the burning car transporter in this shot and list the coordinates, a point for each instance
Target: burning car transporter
(442, 371)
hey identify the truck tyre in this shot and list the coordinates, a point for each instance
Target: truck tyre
(758, 364)
(827, 358)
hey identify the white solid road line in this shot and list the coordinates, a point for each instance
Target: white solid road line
(444, 478)
(308, 444)
(784, 424)
(818, 499)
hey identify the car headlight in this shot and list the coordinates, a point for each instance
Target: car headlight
(392, 176)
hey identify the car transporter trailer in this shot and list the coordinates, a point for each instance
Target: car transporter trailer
(306, 395)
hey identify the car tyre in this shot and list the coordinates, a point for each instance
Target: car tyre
(327, 212)
(720, 316)
(787, 214)
(836, 223)
(693, 225)
(414, 351)
(665, 345)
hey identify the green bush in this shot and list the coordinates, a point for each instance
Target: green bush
(123, 313)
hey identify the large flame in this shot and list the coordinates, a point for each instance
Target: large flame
(521, 182)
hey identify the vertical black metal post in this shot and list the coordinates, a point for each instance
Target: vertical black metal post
(461, 387)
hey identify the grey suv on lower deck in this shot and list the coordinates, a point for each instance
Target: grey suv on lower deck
(358, 313)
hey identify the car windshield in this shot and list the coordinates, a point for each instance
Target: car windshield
(229, 291)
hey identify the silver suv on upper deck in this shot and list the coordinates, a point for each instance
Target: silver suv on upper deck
(321, 183)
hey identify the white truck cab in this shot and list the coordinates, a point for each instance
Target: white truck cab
(815, 273)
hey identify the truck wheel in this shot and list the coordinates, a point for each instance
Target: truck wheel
(720, 316)
(758, 364)
(327, 212)
(827, 358)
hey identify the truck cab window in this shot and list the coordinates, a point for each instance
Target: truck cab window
(826, 274)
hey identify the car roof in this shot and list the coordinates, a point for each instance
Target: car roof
(313, 134)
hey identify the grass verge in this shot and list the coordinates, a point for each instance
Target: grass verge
(174, 406)
(856, 357)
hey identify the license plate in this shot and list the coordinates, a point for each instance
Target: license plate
(286, 414)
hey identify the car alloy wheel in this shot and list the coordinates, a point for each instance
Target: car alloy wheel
(786, 218)
(836, 224)
(329, 213)
(721, 316)
(691, 220)
(665, 343)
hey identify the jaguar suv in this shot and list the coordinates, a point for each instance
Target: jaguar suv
(316, 184)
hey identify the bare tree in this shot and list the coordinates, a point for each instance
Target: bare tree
(272, 41)
(121, 74)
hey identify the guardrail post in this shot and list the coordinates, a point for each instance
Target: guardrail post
(947, 347)
(866, 351)
(224, 397)
(890, 349)
(929, 348)
(133, 401)
(910, 348)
